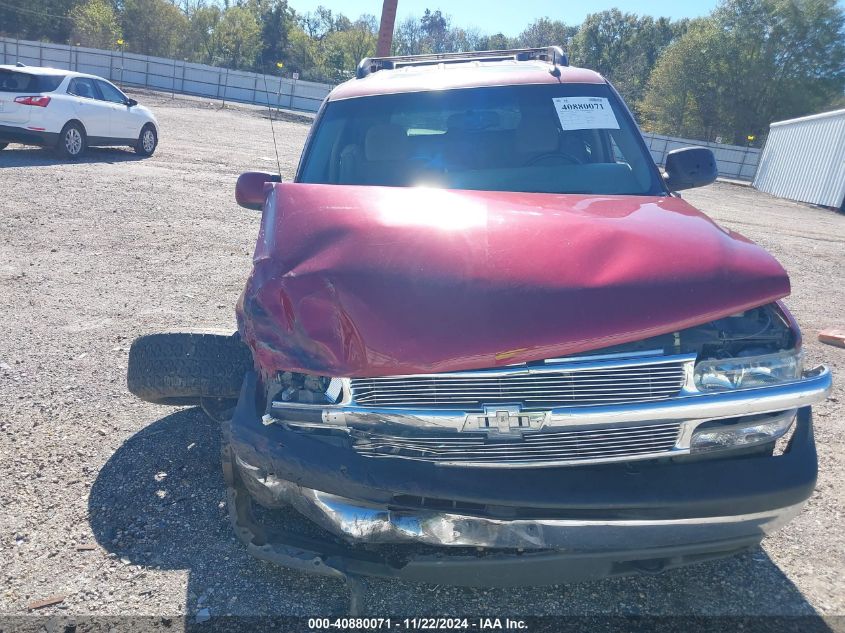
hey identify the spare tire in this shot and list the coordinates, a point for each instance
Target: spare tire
(183, 368)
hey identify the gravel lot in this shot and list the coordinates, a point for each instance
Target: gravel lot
(118, 505)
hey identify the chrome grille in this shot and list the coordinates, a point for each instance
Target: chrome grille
(536, 449)
(543, 386)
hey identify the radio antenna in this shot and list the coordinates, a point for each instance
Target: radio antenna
(272, 129)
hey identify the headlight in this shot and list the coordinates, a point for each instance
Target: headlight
(749, 371)
(306, 389)
(747, 431)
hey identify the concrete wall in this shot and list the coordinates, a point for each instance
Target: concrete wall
(804, 160)
(733, 161)
(169, 74)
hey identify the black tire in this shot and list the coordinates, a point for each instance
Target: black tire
(72, 141)
(185, 368)
(148, 134)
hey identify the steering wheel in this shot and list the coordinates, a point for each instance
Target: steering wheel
(570, 158)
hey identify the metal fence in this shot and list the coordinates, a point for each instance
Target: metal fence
(733, 161)
(171, 75)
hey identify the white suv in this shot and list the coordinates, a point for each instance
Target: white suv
(70, 111)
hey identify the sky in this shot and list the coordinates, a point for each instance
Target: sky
(512, 17)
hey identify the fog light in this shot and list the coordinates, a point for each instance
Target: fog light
(751, 430)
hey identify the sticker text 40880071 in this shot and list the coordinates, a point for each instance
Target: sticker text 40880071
(585, 113)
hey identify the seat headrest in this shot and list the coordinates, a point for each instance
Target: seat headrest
(386, 141)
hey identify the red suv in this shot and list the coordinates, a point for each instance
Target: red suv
(485, 342)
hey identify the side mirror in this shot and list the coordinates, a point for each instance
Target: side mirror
(249, 190)
(690, 167)
(131, 102)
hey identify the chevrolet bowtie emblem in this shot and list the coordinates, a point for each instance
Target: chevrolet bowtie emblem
(505, 419)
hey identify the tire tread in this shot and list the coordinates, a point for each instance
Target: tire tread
(181, 368)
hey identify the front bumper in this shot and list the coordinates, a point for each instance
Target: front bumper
(610, 519)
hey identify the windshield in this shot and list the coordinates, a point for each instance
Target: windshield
(573, 138)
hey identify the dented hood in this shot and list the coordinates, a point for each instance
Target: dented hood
(373, 281)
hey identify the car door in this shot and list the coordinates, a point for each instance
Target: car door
(124, 123)
(90, 108)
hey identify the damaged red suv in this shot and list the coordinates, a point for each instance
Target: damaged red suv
(484, 342)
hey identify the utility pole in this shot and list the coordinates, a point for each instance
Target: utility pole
(385, 31)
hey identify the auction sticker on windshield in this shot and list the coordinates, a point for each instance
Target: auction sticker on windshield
(585, 113)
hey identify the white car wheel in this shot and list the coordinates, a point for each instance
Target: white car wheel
(147, 141)
(72, 141)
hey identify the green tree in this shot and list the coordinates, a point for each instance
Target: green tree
(238, 37)
(301, 55)
(753, 62)
(46, 19)
(321, 22)
(461, 39)
(546, 32)
(684, 91)
(153, 27)
(408, 37)
(496, 42)
(789, 57)
(275, 19)
(623, 47)
(201, 44)
(435, 30)
(95, 24)
(358, 41)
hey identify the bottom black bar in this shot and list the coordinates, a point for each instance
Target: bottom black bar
(524, 624)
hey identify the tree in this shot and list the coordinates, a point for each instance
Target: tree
(238, 37)
(435, 30)
(753, 62)
(46, 19)
(153, 27)
(358, 41)
(201, 45)
(546, 32)
(623, 47)
(496, 42)
(460, 39)
(407, 37)
(322, 22)
(95, 24)
(276, 19)
(301, 54)
(684, 91)
(790, 59)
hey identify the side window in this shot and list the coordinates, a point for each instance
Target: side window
(110, 93)
(83, 87)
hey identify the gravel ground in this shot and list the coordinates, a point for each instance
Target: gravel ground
(118, 506)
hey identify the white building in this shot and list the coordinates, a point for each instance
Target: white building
(804, 160)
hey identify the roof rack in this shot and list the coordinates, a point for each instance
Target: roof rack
(551, 54)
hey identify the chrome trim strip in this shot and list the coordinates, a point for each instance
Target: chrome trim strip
(574, 359)
(811, 389)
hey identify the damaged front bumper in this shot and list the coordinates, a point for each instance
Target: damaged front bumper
(422, 521)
